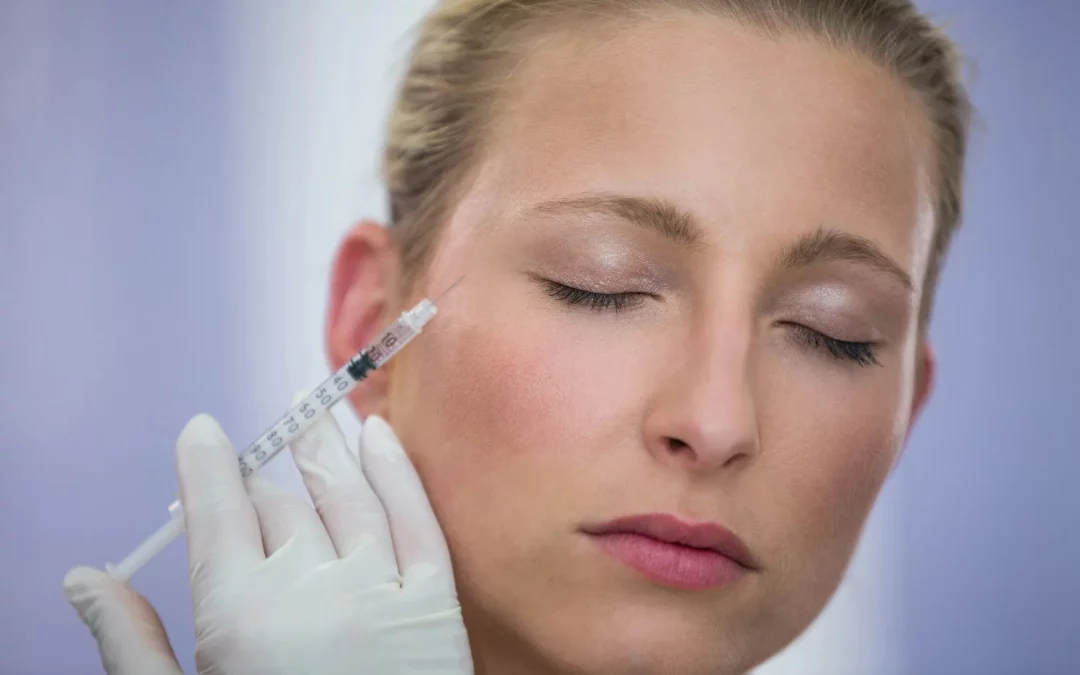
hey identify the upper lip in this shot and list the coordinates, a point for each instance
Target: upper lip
(673, 530)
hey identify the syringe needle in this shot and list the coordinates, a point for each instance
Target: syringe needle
(448, 289)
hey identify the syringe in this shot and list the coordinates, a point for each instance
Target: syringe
(294, 422)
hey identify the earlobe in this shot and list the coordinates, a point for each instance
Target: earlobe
(925, 370)
(363, 292)
(925, 367)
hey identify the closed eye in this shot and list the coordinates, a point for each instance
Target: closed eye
(860, 353)
(600, 302)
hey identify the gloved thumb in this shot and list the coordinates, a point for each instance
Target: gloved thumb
(128, 631)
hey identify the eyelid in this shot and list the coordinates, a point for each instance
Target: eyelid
(602, 285)
(839, 309)
(617, 280)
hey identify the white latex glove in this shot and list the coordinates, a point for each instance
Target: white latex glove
(361, 584)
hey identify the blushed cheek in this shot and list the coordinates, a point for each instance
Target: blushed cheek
(853, 450)
(496, 436)
(510, 390)
(820, 472)
(482, 401)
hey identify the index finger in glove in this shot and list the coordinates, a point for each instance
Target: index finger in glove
(349, 509)
(222, 528)
(421, 549)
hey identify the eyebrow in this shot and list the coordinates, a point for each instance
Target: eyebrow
(667, 219)
(825, 244)
(657, 215)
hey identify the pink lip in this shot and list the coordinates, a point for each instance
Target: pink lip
(675, 553)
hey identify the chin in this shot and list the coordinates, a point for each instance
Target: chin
(632, 637)
(601, 656)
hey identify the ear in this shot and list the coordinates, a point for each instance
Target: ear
(925, 371)
(363, 293)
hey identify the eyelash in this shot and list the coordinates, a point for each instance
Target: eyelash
(860, 353)
(599, 302)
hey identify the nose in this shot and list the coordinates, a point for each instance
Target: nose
(704, 416)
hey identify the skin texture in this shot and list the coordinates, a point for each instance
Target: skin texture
(529, 419)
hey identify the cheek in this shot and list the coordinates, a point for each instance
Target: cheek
(506, 408)
(831, 449)
(827, 446)
(505, 392)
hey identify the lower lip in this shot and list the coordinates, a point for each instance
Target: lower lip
(672, 565)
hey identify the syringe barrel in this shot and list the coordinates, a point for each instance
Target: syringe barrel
(400, 333)
(292, 424)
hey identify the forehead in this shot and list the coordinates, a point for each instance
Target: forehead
(718, 117)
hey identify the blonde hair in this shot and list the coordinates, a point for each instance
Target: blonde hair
(466, 50)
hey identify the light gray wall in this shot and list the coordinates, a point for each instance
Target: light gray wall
(118, 297)
(989, 484)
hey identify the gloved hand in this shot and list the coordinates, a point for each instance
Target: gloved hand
(360, 584)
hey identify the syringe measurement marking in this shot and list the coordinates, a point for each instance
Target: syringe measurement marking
(334, 389)
(369, 359)
(289, 425)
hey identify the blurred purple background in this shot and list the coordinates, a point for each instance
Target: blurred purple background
(138, 167)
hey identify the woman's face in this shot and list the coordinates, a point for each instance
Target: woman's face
(694, 260)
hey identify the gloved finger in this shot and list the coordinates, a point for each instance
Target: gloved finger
(286, 520)
(343, 497)
(421, 549)
(129, 633)
(222, 529)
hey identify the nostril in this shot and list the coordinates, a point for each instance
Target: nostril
(677, 446)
